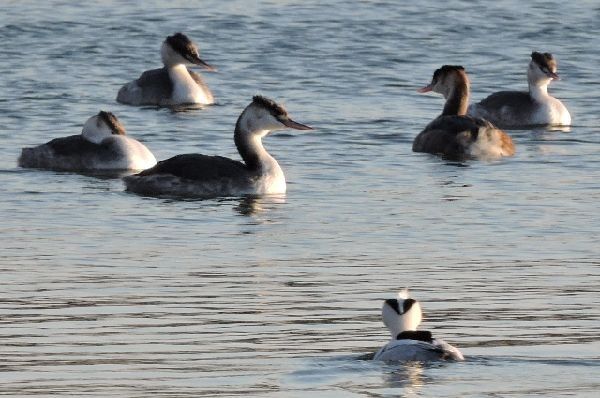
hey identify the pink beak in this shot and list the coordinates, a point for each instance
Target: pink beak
(425, 89)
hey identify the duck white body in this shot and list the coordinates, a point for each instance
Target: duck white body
(453, 134)
(102, 145)
(508, 109)
(174, 84)
(415, 350)
(402, 316)
(196, 175)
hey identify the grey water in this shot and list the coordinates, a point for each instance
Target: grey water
(106, 293)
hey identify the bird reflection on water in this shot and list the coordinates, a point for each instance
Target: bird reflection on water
(252, 205)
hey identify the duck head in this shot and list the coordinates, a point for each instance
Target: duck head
(401, 314)
(179, 49)
(101, 126)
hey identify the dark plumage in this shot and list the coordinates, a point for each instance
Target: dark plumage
(199, 167)
(193, 175)
(70, 153)
(545, 60)
(112, 122)
(449, 136)
(184, 46)
(444, 70)
(420, 335)
(274, 108)
(507, 108)
(393, 303)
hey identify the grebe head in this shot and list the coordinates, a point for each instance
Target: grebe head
(264, 115)
(542, 69)
(445, 80)
(179, 49)
(401, 314)
(101, 126)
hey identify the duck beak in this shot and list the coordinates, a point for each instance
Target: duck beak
(197, 61)
(294, 125)
(425, 89)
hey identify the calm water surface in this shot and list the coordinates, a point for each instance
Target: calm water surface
(105, 293)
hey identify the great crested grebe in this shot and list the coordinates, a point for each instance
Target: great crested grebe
(174, 84)
(102, 145)
(199, 175)
(453, 134)
(508, 109)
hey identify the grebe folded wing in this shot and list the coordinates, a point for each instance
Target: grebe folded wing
(454, 124)
(449, 135)
(506, 108)
(195, 166)
(155, 85)
(516, 99)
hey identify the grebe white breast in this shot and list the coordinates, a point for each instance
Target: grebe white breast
(203, 176)
(535, 107)
(173, 84)
(453, 134)
(402, 316)
(102, 145)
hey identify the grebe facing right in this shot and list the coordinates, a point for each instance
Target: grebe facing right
(402, 316)
(174, 84)
(508, 109)
(453, 134)
(202, 176)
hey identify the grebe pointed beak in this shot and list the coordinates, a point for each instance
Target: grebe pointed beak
(425, 89)
(294, 125)
(200, 63)
(553, 75)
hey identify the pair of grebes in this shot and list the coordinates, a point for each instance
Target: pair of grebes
(474, 131)
(460, 132)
